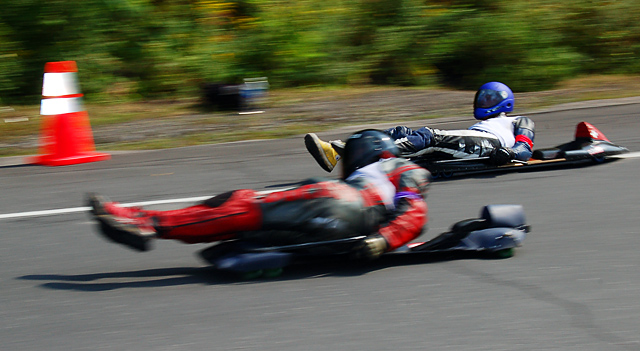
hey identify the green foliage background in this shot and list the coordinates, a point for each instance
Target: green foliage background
(142, 49)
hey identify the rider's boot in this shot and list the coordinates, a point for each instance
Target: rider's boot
(327, 154)
(131, 227)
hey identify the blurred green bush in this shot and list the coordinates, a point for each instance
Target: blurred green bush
(146, 49)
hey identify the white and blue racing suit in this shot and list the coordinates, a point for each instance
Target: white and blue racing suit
(515, 133)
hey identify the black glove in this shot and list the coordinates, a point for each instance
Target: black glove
(501, 156)
(372, 247)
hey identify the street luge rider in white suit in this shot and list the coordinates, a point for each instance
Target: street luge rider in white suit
(498, 136)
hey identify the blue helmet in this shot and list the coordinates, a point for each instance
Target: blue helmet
(491, 99)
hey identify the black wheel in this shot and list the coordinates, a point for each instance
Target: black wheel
(272, 273)
(252, 274)
(505, 253)
(261, 273)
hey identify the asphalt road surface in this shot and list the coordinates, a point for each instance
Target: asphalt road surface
(573, 285)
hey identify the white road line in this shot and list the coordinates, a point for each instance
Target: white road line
(43, 213)
(87, 208)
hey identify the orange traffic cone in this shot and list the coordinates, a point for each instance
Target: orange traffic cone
(66, 137)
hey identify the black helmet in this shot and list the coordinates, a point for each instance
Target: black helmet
(366, 147)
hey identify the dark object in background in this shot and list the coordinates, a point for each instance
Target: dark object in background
(225, 97)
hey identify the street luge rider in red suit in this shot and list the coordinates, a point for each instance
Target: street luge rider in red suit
(379, 196)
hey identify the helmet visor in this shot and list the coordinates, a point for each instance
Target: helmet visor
(486, 98)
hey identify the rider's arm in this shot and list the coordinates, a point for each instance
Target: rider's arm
(524, 133)
(407, 223)
(410, 215)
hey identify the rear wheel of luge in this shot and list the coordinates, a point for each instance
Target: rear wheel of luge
(261, 273)
(252, 274)
(505, 253)
(272, 273)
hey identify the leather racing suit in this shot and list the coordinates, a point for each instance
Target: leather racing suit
(386, 197)
(516, 133)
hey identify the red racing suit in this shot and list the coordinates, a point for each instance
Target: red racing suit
(392, 205)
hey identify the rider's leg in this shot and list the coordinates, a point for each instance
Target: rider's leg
(218, 218)
(449, 143)
(320, 207)
(464, 143)
(411, 141)
(325, 153)
(324, 210)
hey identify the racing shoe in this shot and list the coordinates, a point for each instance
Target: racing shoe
(137, 238)
(132, 232)
(323, 152)
(338, 145)
(101, 205)
(96, 203)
